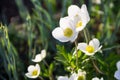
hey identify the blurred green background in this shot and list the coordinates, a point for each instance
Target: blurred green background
(26, 26)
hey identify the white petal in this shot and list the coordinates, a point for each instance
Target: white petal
(73, 10)
(74, 37)
(118, 65)
(62, 78)
(57, 33)
(31, 68)
(29, 75)
(43, 53)
(95, 43)
(101, 78)
(117, 75)
(73, 76)
(66, 22)
(99, 49)
(82, 47)
(80, 72)
(38, 68)
(38, 58)
(84, 14)
(95, 78)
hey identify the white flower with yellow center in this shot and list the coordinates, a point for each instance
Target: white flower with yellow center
(66, 32)
(96, 78)
(91, 48)
(40, 57)
(81, 75)
(117, 73)
(33, 71)
(80, 16)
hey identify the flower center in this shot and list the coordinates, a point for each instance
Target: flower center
(81, 78)
(34, 73)
(68, 32)
(90, 49)
(79, 24)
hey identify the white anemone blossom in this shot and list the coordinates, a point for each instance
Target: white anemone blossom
(66, 32)
(91, 48)
(80, 16)
(33, 71)
(96, 78)
(40, 57)
(117, 73)
(81, 75)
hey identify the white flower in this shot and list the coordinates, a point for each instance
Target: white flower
(33, 71)
(96, 78)
(117, 73)
(81, 75)
(40, 57)
(80, 16)
(66, 32)
(91, 48)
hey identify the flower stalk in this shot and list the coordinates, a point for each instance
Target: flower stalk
(76, 54)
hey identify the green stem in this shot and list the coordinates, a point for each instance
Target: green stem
(85, 34)
(76, 54)
(40, 78)
(96, 68)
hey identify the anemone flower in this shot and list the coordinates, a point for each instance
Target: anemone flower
(66, 32)
(91, 48)
(33, 71)
(40, 57)
(80, 16)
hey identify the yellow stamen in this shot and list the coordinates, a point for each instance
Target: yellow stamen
(79, 24)
(68, 32)
(81, 78)
(90, 49)
(35, 72)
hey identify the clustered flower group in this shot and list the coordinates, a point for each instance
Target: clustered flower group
(68, 30)
(71, 25)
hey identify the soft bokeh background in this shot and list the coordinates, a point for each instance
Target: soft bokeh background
(28, 26)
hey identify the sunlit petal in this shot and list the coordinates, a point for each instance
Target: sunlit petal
(118, 65)
(73, 10)
(82, 47)
(57, 33)
(95, 42)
